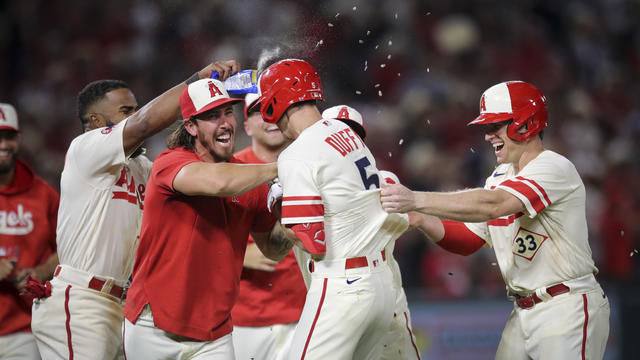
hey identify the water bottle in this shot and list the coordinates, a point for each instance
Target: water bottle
(242, 82)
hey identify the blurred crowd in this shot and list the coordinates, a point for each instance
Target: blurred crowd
(414, 69)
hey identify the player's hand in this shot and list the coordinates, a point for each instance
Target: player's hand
(224, 69)
(275, 195)
(397, 199)
(254, 259)
(20, 278)
(6, 267)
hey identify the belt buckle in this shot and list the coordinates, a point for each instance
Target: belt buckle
(525, 302)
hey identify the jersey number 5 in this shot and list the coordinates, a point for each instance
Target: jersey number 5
(362, 164)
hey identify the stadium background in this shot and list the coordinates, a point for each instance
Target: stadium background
(416, 70)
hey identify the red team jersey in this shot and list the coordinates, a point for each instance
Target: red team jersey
(28, 216)
(268, 298)
(191, 251)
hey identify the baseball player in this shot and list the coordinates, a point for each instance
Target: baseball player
(102, 197)
(28, 212)
(272, 294)
(399, 342)
(200, 210)
(331, 209)
(532, 212)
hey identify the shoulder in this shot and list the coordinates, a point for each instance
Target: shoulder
(176, 155)
(246, 156)
(551, 162)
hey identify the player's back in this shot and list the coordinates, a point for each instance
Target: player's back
(329, 160)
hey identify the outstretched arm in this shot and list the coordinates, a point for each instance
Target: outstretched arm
(222, 179)
(474, 205)
(165, 109)
(450, 235)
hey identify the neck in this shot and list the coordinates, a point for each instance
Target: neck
(265, 153)
(6, 178)
(300, 118)
(528, 154)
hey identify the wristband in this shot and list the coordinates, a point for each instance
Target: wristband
(193, 78)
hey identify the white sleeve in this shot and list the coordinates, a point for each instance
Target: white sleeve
(97, 155)
(541, 183)
(301, 200)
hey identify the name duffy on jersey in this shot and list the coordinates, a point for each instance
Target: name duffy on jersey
(133, 194)
(17, 222)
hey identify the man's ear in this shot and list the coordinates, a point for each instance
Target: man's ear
(191, 127)
(95, 121)
(247, 130)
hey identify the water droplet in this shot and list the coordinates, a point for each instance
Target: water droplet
(401, 141)
(330, 24)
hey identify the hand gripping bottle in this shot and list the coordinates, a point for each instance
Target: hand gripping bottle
(242, 82)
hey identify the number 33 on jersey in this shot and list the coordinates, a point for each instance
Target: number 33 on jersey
(526, 243)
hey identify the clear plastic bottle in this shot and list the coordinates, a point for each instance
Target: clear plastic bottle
(242, 82)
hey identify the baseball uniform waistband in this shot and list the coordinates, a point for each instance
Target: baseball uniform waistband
(354, 265)
(575, 286)
(77, 277)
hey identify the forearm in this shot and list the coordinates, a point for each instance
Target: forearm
(156, 115)
(222, 179)
(278, 245)
(474, 205)
(430, 225)
(45, 271)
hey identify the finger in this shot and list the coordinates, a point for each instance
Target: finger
(267, 267)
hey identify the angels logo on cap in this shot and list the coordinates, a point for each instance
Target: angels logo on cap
(347, 114)
(203, 95)
(8, 117)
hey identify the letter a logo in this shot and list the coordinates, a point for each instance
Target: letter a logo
(344, 114)
(483, 107)
(213, 89)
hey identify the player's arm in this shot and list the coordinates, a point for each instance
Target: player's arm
(165, 109)
(274, 244)
(222, 179)
(254, 259)
(473, 205)
(450, 235)
(41, 272)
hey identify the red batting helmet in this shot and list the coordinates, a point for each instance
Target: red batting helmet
(518, 101)
(285, 83)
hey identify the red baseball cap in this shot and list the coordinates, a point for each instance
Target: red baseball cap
(8, 117)
(203, 95)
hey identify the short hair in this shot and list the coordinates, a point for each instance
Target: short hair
(94, 92)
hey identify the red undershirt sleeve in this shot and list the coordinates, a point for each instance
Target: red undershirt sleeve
(459, 239)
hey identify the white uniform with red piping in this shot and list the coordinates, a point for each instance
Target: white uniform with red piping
(546, 262)
(101, 203)
(329, 177)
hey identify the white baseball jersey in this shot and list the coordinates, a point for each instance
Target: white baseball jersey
(329, 175)
(549, 243)
(102, 196)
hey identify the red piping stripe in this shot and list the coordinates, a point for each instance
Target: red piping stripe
(584, 328)
(504, 222)
(295, 198)
(306, 345)
(406, 318)
(68, 322)
(292, 211)
(527, 191)
(544, 193)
